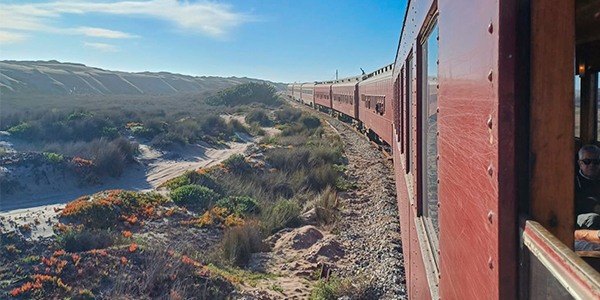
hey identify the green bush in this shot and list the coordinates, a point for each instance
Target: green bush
(23, 130)
(311, 122)
(193, 177)
(240, 205)
(287, 115)
(258, 116)
(53, 157)
(193, 194)
(77, 240)
(237, 164)
(110, 132)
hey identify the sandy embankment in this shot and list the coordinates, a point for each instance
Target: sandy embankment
(37, 201)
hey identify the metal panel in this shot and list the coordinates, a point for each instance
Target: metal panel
(346, 89)
(308, 93)
(381, 124)
(323, 89)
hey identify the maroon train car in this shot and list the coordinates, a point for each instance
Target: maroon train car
(323, 94)
(308, 93)
(375, 102)
(484, 146)
(345, 97)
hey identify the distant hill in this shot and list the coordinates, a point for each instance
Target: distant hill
(19, 78)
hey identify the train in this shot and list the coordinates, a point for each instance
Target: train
(483, 111)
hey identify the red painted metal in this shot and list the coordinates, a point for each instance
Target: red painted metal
(323, 94)
(344, 96)
(377, 87)
(307, 95)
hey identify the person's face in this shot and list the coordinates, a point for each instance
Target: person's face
(590, 165)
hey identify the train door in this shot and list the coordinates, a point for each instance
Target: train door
(551, 267)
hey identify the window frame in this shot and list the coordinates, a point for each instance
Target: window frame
(422, 110)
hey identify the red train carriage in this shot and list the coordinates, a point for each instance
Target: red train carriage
(483, 146)
(290, 91)
(323, 95)
(308, 93)
(344, 96)
(375, 102)
(297, 89)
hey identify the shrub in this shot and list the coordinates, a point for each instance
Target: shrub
(321, 177)
(283, 214)
(213, 125)
(240, 242)
(77, 240)
(53, 157)
(245, 94)
(288, 159)
(239, 205)
(311, 122)
(23, 130)
(236, 126)
(193, 194)
(259, 116)
(287, 115)
(193, 177)
(236, 164)
(110, 132)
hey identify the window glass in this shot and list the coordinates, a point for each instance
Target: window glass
(429, 146)
(577, 106)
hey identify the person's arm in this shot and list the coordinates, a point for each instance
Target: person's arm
(588, 235)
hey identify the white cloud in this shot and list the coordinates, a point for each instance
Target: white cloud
(10, 37)
(213, 19)
(99, 32)
(102, 47)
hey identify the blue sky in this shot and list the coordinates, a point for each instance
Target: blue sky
(283, 41)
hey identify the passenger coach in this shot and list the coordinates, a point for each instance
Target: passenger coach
(375, 104)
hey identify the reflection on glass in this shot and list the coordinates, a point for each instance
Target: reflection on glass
(429, 127)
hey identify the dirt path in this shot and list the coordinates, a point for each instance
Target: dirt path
(366, 246)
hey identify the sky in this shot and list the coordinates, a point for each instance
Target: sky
(278, 40)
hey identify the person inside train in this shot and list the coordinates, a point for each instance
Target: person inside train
(587, 188)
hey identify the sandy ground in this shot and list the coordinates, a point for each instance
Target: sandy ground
(154, 168)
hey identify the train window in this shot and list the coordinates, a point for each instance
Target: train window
(429, 129)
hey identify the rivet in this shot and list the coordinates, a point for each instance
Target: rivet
(437, 110)
(490, 123)
(438, 181)
(438, 205)
(491, 27)
(490, 76)
(490, 170)
(490, 216)
(437, 133)
(491, 263)
(437, 86)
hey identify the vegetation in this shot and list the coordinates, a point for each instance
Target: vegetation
(258, 116)
(246, 94)
(193, 194)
